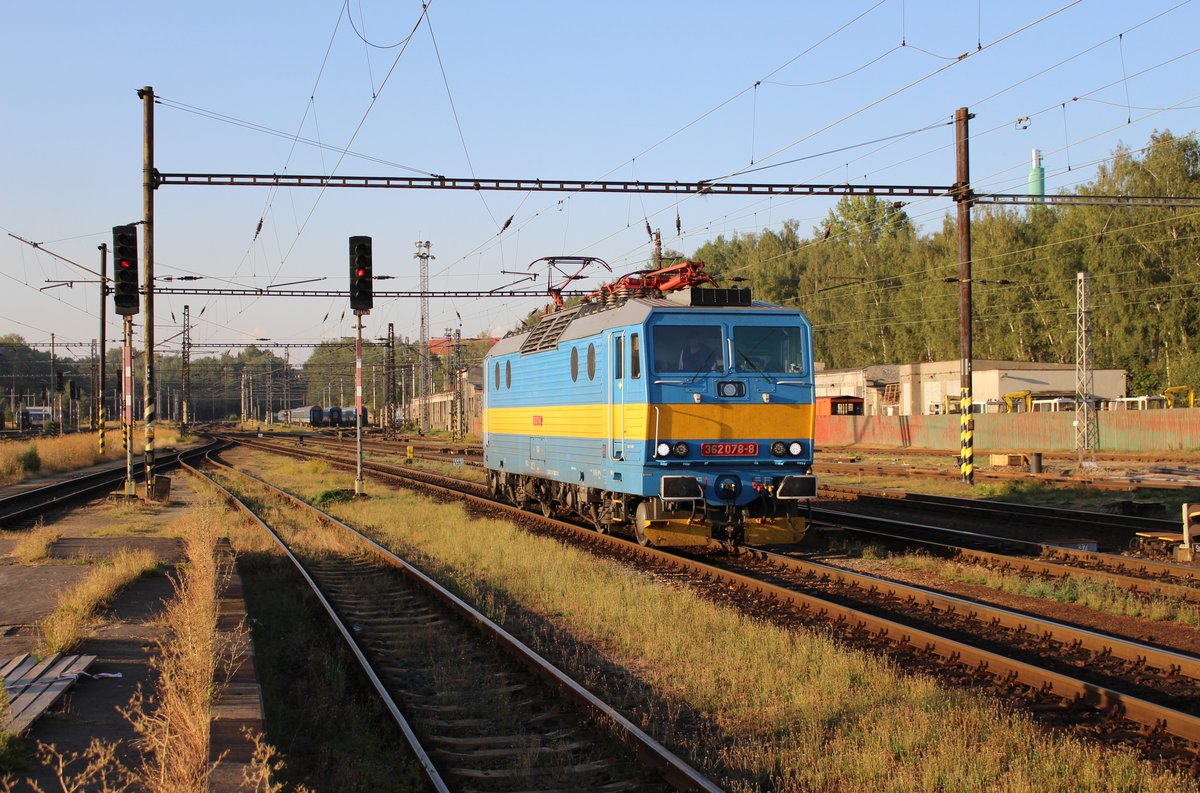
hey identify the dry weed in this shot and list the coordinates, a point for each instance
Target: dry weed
(173, 722)
(259, 774)
(63, 628)
(96, 769)
(35, 545)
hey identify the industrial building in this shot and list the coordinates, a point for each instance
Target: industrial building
(932, 388)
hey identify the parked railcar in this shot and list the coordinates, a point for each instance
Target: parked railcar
(316, 416)
(333, 416)
(302, 415)
(37, 416)
(349, 416)
(680, 418)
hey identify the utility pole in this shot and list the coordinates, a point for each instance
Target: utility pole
(185, 416)
(56, 405)
(425, 388)
(94, 369)
(657, 249)
(963, 197)
(389, 384)
(50, 400)
(1087, 429)
(459, 420)
(103, 333)
(287, 387)
(146, 94)
(271, 390)
(127, 412)
(359, 488)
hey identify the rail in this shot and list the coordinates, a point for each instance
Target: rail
(673, 769)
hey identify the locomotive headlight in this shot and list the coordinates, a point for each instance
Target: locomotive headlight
(795, 448)
(680, 449)
(662, 450)
(728, 487)
(779, 448)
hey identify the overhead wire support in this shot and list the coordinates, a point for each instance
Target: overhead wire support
(346, 293)
(652, 187)
(546, 185)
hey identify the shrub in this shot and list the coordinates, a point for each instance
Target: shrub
(30, 460)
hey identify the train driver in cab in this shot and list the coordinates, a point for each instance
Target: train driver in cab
(696, 356)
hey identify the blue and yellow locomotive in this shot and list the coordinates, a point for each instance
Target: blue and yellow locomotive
(677, 413)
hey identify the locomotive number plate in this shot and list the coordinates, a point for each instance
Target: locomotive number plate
(728, 449)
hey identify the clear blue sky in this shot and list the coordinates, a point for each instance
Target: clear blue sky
(617, 90)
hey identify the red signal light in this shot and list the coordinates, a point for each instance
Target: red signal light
(360, 272)
(125, 264)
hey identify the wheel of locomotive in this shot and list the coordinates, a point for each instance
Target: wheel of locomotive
(547, 507)
(640, 520)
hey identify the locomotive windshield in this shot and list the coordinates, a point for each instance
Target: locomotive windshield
(688, 348)
(775, 350)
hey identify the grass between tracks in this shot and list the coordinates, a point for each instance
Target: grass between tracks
(1099, 596)
(755, 706)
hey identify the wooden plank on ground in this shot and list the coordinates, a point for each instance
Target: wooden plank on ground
(46, 691)
(11, 664)
(36, 681)
(26, 674)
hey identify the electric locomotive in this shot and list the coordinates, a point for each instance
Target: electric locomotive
(664, 407)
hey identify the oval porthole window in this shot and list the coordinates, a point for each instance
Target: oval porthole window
(574, 364)
(591, 361)
(508, 374)
(496, 377)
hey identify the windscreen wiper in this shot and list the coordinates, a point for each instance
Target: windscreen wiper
(757, 368)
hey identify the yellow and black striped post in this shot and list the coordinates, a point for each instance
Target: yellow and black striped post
(100, 421)
(963, 197)
(966, 432)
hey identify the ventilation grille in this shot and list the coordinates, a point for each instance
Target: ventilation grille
(547, 333)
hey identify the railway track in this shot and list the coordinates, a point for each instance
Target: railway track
(1068, 522)
(27, 504)
(475, 719)
(1137, 574)
(1135, 692)
(1125, 483)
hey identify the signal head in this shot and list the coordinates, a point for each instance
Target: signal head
(362, 296)
(125, 274)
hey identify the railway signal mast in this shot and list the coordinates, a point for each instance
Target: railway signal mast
(125, 301)
(362, 299)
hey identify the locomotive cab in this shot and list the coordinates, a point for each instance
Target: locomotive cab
(731, 444)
